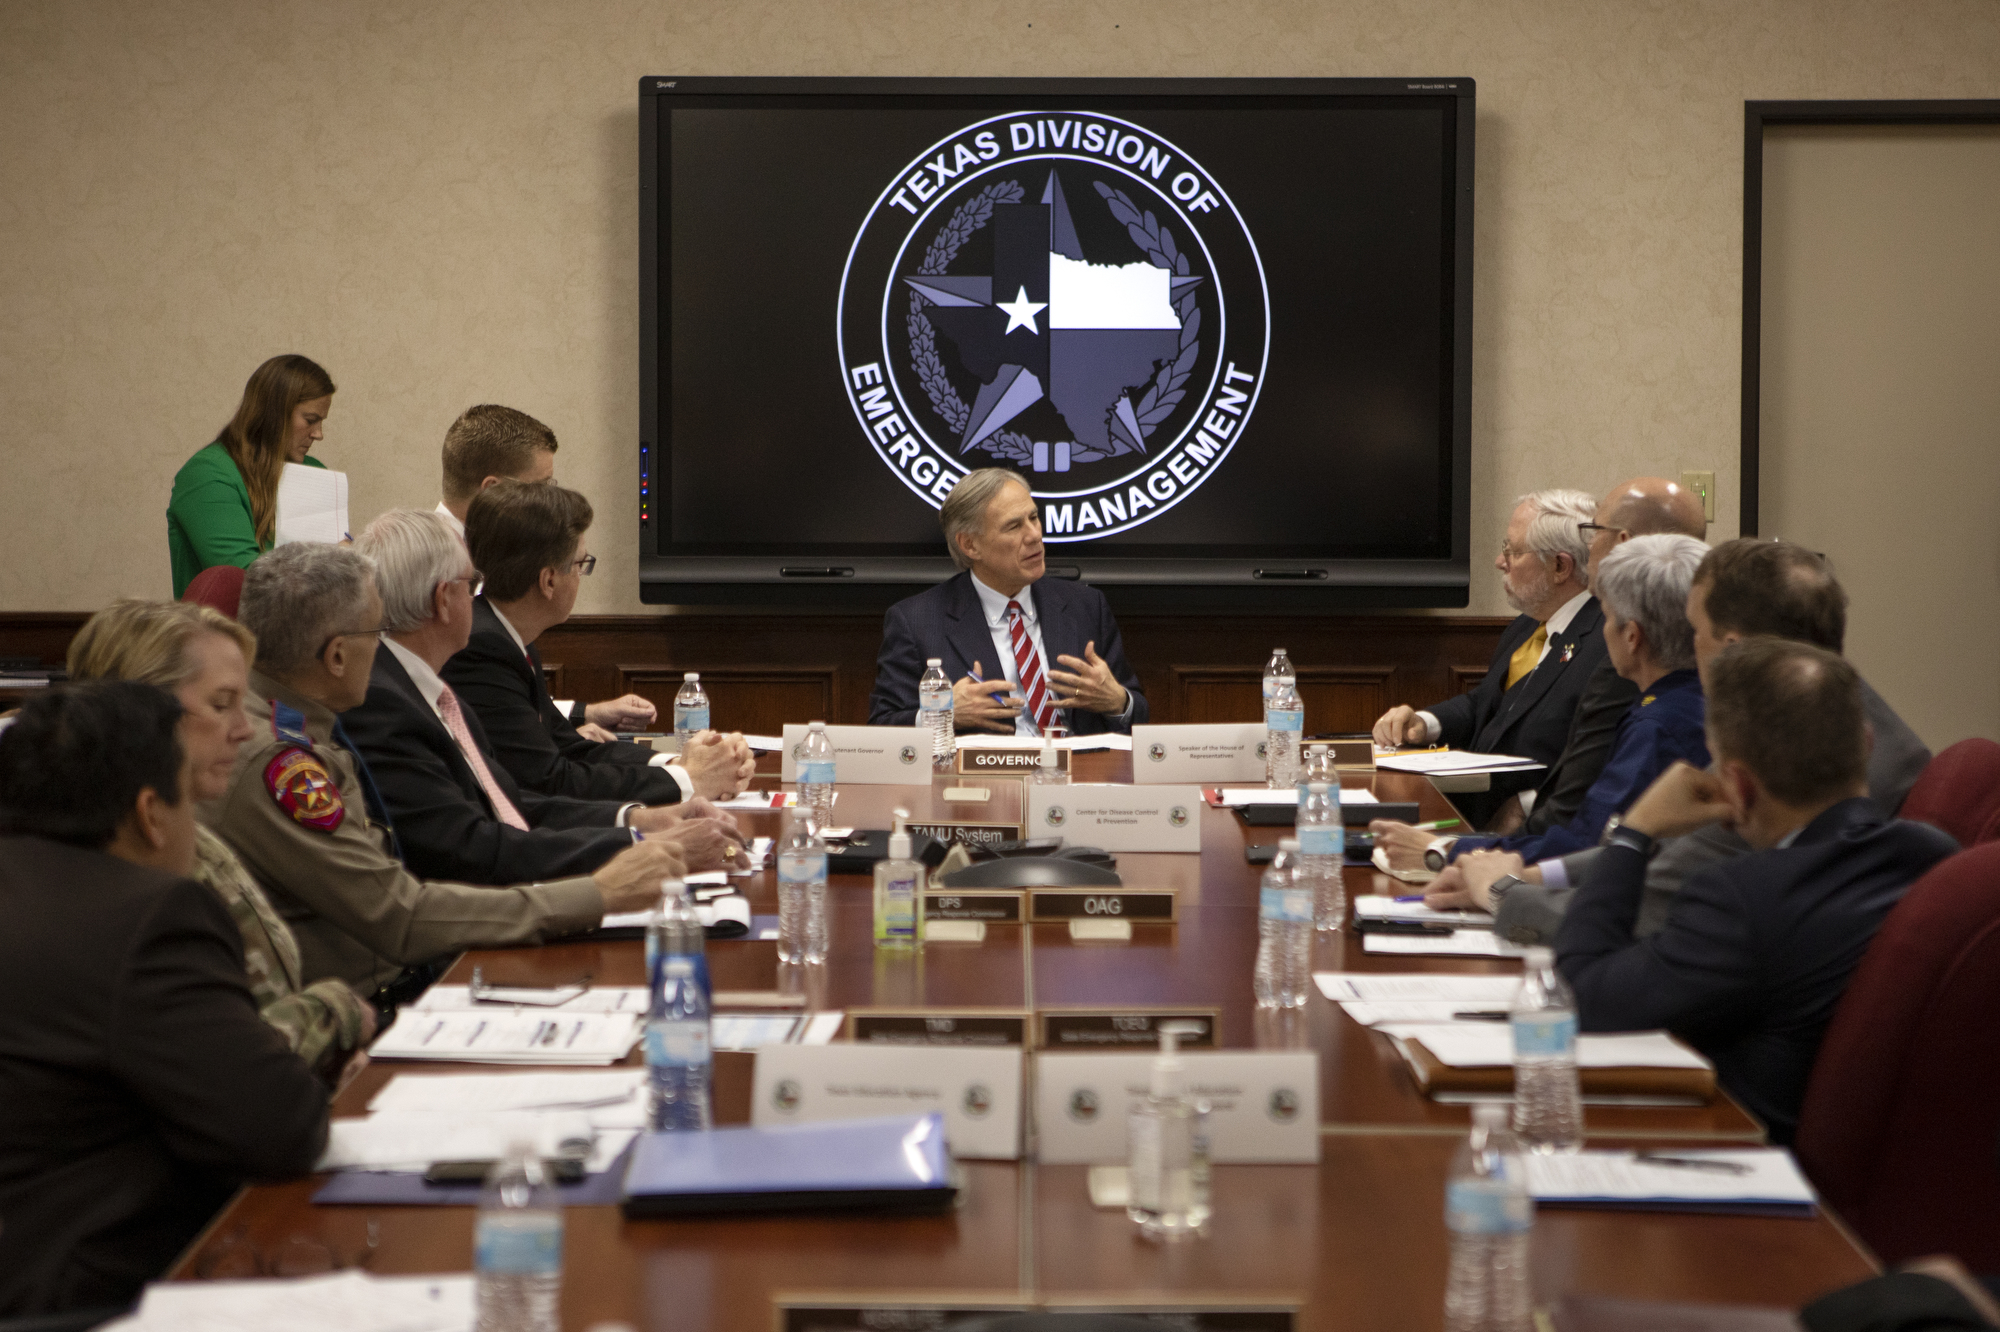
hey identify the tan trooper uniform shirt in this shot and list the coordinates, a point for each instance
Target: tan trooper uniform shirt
(297, 818)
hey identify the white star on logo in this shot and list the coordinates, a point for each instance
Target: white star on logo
(1021, 312)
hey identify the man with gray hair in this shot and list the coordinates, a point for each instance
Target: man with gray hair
(1643, 585)
(1018, 646)
(305, 816)
(458, 812)
(1546, 656)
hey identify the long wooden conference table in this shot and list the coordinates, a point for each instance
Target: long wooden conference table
(1357, 1242)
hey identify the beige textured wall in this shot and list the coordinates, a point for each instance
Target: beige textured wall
(438, 202)
(1880, 430)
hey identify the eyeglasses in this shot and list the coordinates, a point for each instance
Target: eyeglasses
(475, 582)
(235, 1256)
(349, 633)
(585, 566)
(1596, 527)
(1508, 554)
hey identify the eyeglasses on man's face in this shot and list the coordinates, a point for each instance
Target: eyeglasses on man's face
(475, 582)
(1590, 530)
(585, 566)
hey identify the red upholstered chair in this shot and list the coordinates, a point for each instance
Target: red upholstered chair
(1959, 791)
(1902, 1116)
(219, 585)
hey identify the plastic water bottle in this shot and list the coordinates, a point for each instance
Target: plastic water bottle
(802, 891)
(677, 1030)
(1284, 932)
(816, 774)
(934, 711)
(1278, 670)
(1490, 1214)
(517, 1246)
(1548, 1112)
(690, 709)
(1284, 728)
(1322, 851)
(1318, 765)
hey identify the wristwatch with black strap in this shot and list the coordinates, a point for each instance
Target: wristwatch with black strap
(1617, 834)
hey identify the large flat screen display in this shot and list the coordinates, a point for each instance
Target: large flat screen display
(1220, 328)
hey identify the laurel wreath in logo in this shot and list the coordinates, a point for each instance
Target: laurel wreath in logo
(1163, 392)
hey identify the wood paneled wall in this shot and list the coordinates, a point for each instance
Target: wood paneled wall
(763, 670)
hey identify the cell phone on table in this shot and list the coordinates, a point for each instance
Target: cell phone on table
(562, 1169)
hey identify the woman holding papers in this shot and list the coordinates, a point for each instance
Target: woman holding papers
(224, 508)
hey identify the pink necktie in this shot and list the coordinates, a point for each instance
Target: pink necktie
(1028, 666)
(454, 721)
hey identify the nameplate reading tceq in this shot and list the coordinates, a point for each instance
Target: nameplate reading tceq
(977, 1090)
(1117, 817)
(1263, 1105)
(868, 755)
(1202, 754)
(984, 1028)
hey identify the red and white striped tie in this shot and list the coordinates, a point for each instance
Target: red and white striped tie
(454, 721)
(1028, 667)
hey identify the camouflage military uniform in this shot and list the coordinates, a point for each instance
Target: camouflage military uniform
(297, 815)
(322, 1021)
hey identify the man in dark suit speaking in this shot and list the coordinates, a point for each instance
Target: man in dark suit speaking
(1018, 646)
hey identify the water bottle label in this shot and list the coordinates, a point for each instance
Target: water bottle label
(1487, 1207)
(816, 772)
(1286, 904)
(690, 719)
(1542, 1035)
(1322, 841)
(1285, 719)
(935, 700)
(506, 1246)
(802, 870)
(675, 1044)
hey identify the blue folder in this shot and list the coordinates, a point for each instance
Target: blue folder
(896, 1164)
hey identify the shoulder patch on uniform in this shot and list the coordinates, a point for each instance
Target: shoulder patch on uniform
(304, 789)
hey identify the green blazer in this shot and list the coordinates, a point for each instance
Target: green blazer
(208, 518)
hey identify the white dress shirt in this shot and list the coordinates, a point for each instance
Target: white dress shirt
(681, 779)
(994, 607)
(1555, 624)
(450, 520)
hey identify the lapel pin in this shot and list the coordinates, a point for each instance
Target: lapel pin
(1569, 650)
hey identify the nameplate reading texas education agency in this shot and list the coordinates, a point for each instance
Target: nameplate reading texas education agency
(1205, 754)
(996, 906)
(1125, 1028)
(958, 832)
(1117, 817)
(978, 1091)
(1143, 906)
(867, 755)
(917, 1026)
(1013, 761)
(1263, 1105)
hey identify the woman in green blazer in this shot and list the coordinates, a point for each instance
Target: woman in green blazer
(224, 508)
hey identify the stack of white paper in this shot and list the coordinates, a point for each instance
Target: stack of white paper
(1746, 1177)
(1459, 943)
(1239, 796)
(1491, 1045)
(1452, 762)
(339, 1302)
(597, 999)
(1079, 744)
(494, 1035)
(422, 1118)
(1381, 907)
(1465, 991)
(312, 505)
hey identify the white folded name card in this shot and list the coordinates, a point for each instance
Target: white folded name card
(1223, 752)
(1263, 1105)
(978, 1090)
(1117, 817)
(869, 755)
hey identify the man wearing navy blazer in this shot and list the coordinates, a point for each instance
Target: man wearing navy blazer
(1544, 662)
(1756, 951)
(1023, 650)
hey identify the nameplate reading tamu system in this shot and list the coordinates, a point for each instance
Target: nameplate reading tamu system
(1117, 817)
(958, 832)
(1263, 1105)
(978, 1091)
(1205, 755)
(1014, 761)
(919, 1026)
(869, 755)
(1145, 906)
(998, 906)
(1121, 1028)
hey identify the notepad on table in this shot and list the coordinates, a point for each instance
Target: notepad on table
(509, 1036)
(1763, 1180)
(1377, 906)
(1459, 943)
(898, 1163)
(1471, 1060)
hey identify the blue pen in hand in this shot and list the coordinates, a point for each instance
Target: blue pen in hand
(1411, 897)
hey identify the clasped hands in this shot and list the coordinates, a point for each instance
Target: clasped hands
(707, 838)
(992, 705)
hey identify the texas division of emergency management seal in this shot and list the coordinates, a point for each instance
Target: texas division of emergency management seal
(1065, 292)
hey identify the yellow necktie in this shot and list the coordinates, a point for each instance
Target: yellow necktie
(1526, 655)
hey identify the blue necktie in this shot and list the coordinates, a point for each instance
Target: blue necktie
(376, 809)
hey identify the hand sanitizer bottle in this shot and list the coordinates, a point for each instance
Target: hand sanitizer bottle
(1167, 1136)
(899, 892)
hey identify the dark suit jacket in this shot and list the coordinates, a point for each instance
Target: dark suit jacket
(443, 818)
(945, 621)
(534, 742)
(1607, 697)
(1755, 952)
(138, 1086)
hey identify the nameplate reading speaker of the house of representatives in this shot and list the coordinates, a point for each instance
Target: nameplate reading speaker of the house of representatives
(1203, 754)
